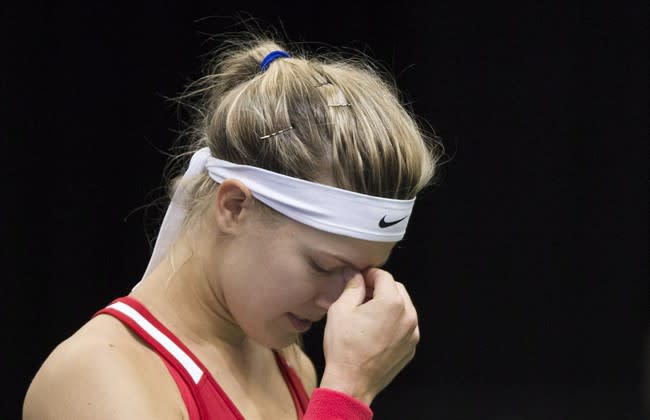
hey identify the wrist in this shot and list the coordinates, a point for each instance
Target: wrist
(348, 386)
(327, 403)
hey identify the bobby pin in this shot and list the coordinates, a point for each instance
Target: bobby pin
(338, 105)
(276, 133)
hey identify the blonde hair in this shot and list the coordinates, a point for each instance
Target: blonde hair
(341, 122)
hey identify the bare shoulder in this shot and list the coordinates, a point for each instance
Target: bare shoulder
(302, 364)
(101, 372)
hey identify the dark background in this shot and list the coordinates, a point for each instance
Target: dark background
(527, 262)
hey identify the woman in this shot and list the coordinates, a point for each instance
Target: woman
(303, 175)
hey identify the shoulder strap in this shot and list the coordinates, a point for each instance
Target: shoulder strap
(135, 316)
(298, 393)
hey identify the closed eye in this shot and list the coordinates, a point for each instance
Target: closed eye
(317, 268)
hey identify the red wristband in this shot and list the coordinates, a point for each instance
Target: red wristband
(328, 404)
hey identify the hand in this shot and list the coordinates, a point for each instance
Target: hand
(370, 338)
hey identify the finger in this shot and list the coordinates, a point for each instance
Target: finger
(355, 291)
(369, 292)
(416, 334)
(381, 282)
(410, 307)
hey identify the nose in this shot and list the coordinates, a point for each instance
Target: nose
(333, 288)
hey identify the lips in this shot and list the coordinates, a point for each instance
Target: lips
(300, 324)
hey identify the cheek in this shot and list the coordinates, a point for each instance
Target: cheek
(274, 277)
(272, 287)
(288, 283)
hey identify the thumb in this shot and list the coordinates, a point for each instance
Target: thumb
(355, 289)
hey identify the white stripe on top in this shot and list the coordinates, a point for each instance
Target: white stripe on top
(186, 361)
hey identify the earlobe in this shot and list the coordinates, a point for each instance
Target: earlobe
(233, 202)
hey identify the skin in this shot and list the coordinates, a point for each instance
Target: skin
(226, 289)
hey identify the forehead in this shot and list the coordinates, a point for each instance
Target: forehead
(356, 252)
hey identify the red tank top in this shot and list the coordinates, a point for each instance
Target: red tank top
(203, 397)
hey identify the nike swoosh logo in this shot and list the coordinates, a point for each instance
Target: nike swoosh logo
(384, 224)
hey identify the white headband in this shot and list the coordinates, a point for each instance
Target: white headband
(320, 206)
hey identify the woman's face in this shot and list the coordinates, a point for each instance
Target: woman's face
(276, 271)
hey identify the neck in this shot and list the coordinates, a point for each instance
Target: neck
(184, 291)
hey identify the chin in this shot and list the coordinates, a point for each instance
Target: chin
(277, 342)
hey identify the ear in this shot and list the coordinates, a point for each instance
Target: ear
(234, 203)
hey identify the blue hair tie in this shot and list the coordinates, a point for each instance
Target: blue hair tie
(272, 56)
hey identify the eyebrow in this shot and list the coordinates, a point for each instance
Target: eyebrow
(343, 260)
